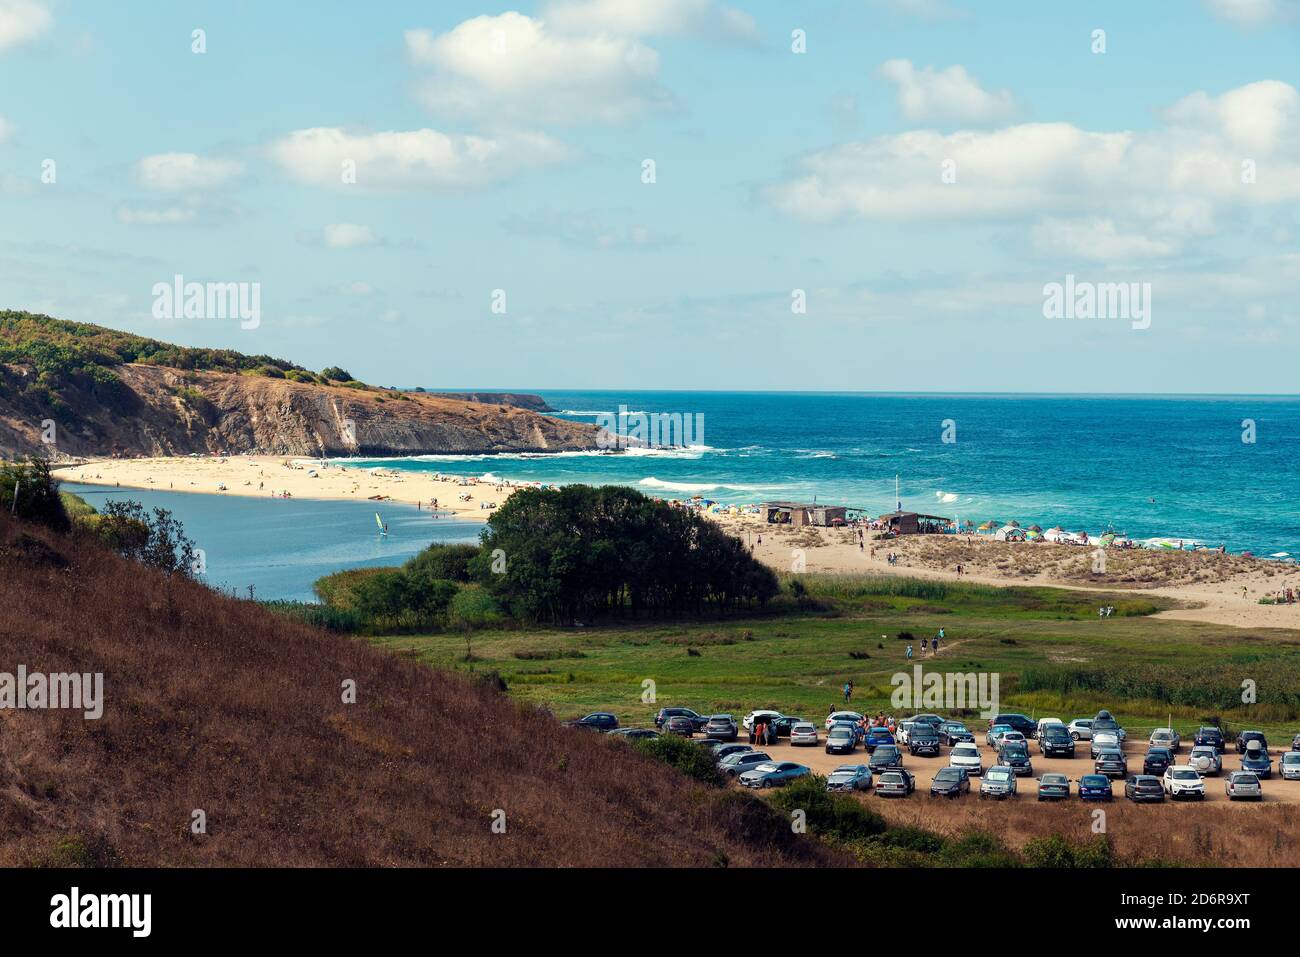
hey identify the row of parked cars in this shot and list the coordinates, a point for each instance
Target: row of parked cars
(1008, 735)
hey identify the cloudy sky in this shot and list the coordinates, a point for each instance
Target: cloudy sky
(650, 191)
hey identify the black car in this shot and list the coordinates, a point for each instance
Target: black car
(634, 734)
(1053, 787)
(1144, 787)
(1016, 757)
(680, 724)
(697, 720)
(1018, 722)
(951, 732)
(781, 726)
(596, 721)
(721, 749)
(885, 757)
(923, 739)
(950, 782)
(1210, 737)
(1111, 763)
(1246, 737)
(1055, 741)
(1156, 761)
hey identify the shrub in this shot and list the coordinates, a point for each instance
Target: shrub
(335, 374)
(474, 607)
(29, 491)
(1057, 851)
(837, 816)
(684, 754)
(156, 540)
(319, 616)
(443, 561)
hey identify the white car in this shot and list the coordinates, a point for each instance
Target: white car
(1184, 781)
(850, 716)
(1107, 740)
(904, 732)
(1289, 766)
(1044, 722)
(1080, 729)
(1205, 758)
(1009, 737)
(1165, 738)
(805, 732)
(967, 756)
(748, 722)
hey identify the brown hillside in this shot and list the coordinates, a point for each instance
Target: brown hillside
(216, 704)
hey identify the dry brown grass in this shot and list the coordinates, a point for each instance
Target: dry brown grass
(216, 704)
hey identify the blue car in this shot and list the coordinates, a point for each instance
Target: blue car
(1256, 759)
(774, 774)
(876, 737)
(1095, 787)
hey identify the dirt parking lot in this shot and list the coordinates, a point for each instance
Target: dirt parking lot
(1276, 790)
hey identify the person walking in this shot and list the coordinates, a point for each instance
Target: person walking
(909, 652)
(925, 643)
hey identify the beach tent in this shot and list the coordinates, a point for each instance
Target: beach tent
(1009, 533)
(1057, 534)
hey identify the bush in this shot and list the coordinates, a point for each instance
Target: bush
(319, 616)
(474, 607)
(156, 540)
(443, 561)
(684, 754)
(335, 374)
(837, 816)
(1057, 851)
(36, 493)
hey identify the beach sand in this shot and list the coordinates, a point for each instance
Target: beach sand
(264, 476)
(1219, 589)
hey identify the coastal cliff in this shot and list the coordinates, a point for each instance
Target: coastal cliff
(73, 389)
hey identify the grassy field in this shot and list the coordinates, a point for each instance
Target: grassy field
(1054, 655)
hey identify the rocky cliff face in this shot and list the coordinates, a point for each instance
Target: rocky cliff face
(161, 411)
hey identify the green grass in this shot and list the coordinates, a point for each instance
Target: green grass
(1054, 655)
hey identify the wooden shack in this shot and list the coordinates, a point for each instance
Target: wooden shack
(799, 514)
(914, 523)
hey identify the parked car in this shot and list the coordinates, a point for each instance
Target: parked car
(896, 782)
(952, 732)
(734, 765)
(852, 717)
(1295, 743)
(723, 749)
(1245, 737)
(697, 720)
(998, 782)
(905, 731)
(1053, 787)
(1045, 722)
(774, 774)
(1142, 788)
(804, 733)
(849, 777)
(596, 721)
(1112, 763)
(767, 717)
(1165, 738)
(1184, 781)
(967, 757)
(1209, 737)
(783, 724)
(1017, 722)
(1015, 755)
(1289, 766)
(1054, 741)
(886, 756)
(841, 739)
(721, 727)
(876, 737)
(1243, 785)
(1205, 758)
(1256, 759)
(1080, 729)
(924, 740)
(933, 720)
(1095, 787)
(682, 725)
(1106, 732)
(634, 733)
(950, 782)
(1156, 760)
(993, 737)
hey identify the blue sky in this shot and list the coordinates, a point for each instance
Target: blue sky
(501, 147)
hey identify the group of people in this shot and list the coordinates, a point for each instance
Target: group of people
(867, 722)
(927, 644)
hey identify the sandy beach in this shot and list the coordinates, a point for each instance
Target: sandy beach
(1214, 588)
(267, 476)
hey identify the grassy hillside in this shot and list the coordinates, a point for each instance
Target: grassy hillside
(217, 705)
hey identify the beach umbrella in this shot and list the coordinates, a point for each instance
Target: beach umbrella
(986, 526)
(1035, 528)
(1013, 523)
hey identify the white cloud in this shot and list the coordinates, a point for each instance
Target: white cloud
(640, 18)
(348, 235)
(1097, 239)
(6, 129)
(182, 172)
(1254, 12)
(167, 216)
(424, 157)
(1127, 192)
(930, 95)
(22, 21)
(512, 68)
